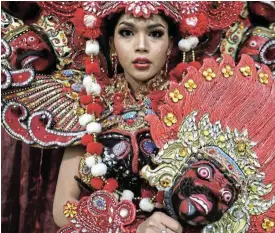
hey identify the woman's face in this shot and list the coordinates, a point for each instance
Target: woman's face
(142, 45)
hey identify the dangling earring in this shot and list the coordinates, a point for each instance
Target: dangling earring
(166, 64)
(183, 56)
(114, 61)
(193, 55)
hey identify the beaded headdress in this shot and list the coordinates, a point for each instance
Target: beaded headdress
(66, 107)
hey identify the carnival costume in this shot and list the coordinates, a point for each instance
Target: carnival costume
(201, 143)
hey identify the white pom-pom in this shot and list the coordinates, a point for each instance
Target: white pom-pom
(184, 45)
(146, 205)
(91, 86)
(93, 89)
(99, 169)
(189, 43)
(92, 47)
(85, 119)
(193, 40)
(192, 21)
(93, 127)
(91, 161)
(87, 81)
(127, 195)
(89, 21)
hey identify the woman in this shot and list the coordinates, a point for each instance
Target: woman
(141, 43)
(143, 47)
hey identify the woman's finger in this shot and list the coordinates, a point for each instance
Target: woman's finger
(151, 229)
(168, 222)
(169, 231)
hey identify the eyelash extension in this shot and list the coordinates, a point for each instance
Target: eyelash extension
(161, 33)
(121, 31)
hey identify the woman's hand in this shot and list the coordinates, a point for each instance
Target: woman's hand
(159, 222)
(67, 188)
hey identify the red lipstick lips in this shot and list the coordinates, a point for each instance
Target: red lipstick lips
(141, 63)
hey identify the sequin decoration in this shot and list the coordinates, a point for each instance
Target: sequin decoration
(120, 148)
(77, 87)
(129, 115)
(99, 203)
(148, 146)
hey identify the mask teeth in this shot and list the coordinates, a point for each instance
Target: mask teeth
(191, 209)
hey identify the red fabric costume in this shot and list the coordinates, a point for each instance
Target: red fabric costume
(56, 93)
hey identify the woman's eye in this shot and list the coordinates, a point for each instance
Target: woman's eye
(156, 34)
(204, 172)
(226, 196)
(125, 33)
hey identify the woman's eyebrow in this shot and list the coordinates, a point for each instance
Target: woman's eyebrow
(149, 27)
(155, 25)
(127, 24)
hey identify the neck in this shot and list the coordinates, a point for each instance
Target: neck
(133, 84)
(136, 84)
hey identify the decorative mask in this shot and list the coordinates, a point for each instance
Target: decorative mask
(260, 45)
(127, 147)
(30, 47)
(203, 192)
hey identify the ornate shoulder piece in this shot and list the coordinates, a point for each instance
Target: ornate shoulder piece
(40, 104)
(217, 125)
(42, 110)
(101, 213)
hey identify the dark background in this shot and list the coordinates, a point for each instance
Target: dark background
(29, 178)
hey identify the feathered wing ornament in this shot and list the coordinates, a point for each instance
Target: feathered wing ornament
(42, 101)
(42, 110)
(39, 109)
(221, 114)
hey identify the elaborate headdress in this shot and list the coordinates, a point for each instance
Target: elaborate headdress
(66, 107)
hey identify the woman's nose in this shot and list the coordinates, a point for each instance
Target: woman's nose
(141, 43)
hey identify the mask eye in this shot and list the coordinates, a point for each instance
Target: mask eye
(204, 172)
(31, 40)
(253, 43)
(226, 196)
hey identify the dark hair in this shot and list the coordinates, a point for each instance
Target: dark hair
(108, 31)
(27, 11)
